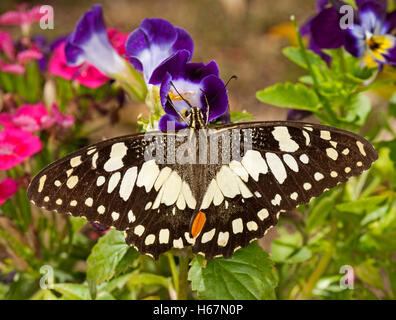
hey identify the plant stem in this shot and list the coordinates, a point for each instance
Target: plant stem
(183, 281)
(329, 111)
(317, 273)
(175, 275)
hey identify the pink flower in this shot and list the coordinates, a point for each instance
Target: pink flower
(11, 67)
(7, 45)
(15, 146)
(8, 187)
(118, 40)
(60, 119)
(15, 65)
(23, 17)
(24, 57)
(28, 117)
(85, 74)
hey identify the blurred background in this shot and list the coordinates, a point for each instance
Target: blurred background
(245, 37)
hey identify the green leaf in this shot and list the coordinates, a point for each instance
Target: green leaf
(358, 109)
(248, 274)
(361, 205)
(392, 106)
(240, 116)
(288, 95)
(150, 279)
(106, 256)
(375, 215)
(369, 273)
(73, 291)
(301, 255)
(295, 55)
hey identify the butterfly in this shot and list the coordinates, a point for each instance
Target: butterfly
(172, 189)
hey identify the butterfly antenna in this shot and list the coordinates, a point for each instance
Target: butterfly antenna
(177, 111)
(177, 91)
(208, 106)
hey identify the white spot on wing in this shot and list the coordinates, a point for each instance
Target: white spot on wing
(290, 162)
(332, 153)
(325, 135)
(304, 158)
(139, 229)
(263, 214)
(226, 180)
(172, 189)
(147, 175)
(113, 181)
(361, 148)
(117, 153)
(76, 161)
(127, 183)
(237, 226)
(207, 236)
(163, 175)
(318, 176)
(276, 166)
(164, 236)
(252, 226)
(222, 238)
(277, 200)
(41, 183)
(238, 169)
(71, 182)
(286, 143)
(254, 164)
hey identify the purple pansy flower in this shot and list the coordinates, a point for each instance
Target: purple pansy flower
(369, 37)
(196, 83)
(90, 43)
(154, 43)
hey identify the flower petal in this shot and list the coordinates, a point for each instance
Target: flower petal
(170, 123)
(216, 94)
(15, 146)
(8, 187)
(90, 43)
(153, 43)
(325, 29)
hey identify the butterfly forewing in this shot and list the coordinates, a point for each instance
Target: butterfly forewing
(158, 202)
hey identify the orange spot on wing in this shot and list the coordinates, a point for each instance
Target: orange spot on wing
(198, 223)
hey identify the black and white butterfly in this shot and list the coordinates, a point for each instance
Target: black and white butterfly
(216, 207)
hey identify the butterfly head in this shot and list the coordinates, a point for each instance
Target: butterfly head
(195, 118)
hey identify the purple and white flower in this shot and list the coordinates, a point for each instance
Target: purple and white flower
(90, 43)
(154, 43)
(197, 83)
(369, 38)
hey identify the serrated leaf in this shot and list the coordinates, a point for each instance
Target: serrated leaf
(358, 109)
(73, 291)
(247, 275)
(288, 95)
(106, 256)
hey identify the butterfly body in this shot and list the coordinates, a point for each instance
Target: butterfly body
(213, 189)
